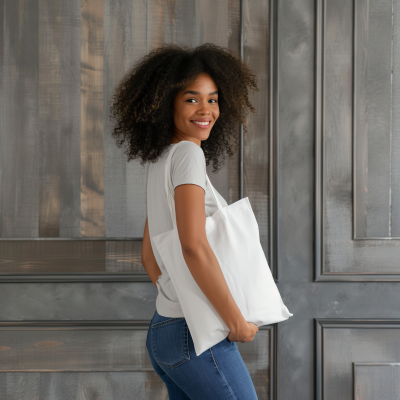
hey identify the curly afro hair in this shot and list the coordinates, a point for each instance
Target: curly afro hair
(143, 100)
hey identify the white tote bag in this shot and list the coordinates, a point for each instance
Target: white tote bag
(233, 235)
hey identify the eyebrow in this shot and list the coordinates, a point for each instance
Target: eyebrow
(194, 92)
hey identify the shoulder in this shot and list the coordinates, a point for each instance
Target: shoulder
(187, 155)
(188, 165)
(185, 148)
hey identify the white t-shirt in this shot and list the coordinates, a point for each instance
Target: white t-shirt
(188, 165)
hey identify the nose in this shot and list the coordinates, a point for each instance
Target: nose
(205, 109)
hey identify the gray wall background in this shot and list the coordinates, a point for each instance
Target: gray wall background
(320, 165)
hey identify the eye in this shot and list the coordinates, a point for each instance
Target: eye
(213, 100)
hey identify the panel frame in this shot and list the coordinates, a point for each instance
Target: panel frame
(73, 277)
(320, 324)
(273, 181)
(73, 325)
(369, 364)
(274, 139)
(320, 275)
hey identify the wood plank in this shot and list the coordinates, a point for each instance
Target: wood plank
(124, 183)
(372, 108)
(49, 96)
(70, 120)
(71, 257)
(19, 141)
(92, 184)
(256, 142)
(376, 381)
(82, 385)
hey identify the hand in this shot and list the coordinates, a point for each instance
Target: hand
(245, 334)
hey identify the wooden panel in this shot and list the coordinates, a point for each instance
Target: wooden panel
(213, 27)
(235, 39)
(395, 146)
(70, 257)
(82, 385)
(256, 142)
(100, 346)
(259, 356)
(84, 186)
(38, 301)
(338, 255)
(71, 346)
(50, 96)
(373, 123)
(106, 359)
(125, 183)
(19, 139)
(59, 118)
(340, 342)
(92, 183)
(376, 381)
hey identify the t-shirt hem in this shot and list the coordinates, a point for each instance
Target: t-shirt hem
(173, 311)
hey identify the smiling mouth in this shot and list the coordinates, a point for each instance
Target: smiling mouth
(202, 124)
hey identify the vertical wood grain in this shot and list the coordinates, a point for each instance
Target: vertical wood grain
(256, 141)
(234, 45)
(395, 146)
(376, 381)
(50, 32)
(70, 120)
(82, 385)
(124, 183)
(92, 184)
(19, 141)
(214, 28)
(373, 107)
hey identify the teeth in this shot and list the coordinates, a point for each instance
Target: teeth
(201, 123)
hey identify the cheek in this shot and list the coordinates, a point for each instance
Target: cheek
(183, 114)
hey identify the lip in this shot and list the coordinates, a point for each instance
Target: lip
(201, 120)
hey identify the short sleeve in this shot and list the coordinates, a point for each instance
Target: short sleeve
(188, 165)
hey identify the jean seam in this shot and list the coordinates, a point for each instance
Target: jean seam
(187, 352)
(151, 338)
(222, 375)
(165, 322)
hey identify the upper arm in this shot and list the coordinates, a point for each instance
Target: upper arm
(190, 215)
(188, 175)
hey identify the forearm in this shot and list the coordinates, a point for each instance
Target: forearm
(207, 273)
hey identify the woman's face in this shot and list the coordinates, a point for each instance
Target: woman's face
(196, 110)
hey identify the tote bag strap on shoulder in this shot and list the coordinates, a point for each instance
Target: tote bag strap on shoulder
(169, 189)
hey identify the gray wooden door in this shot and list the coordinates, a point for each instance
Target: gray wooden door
(320, 164)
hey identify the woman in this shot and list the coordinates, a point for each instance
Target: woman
(194, 97)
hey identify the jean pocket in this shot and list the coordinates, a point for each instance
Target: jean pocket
(170, 342)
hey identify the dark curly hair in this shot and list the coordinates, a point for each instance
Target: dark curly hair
(143, 100)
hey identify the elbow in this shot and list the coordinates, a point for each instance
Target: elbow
(191, 249)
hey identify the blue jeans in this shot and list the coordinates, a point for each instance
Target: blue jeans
(218, 373)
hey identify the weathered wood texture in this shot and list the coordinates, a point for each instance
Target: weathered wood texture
(63, 175)
(376, 381)
(116, 351)
(358, 150)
